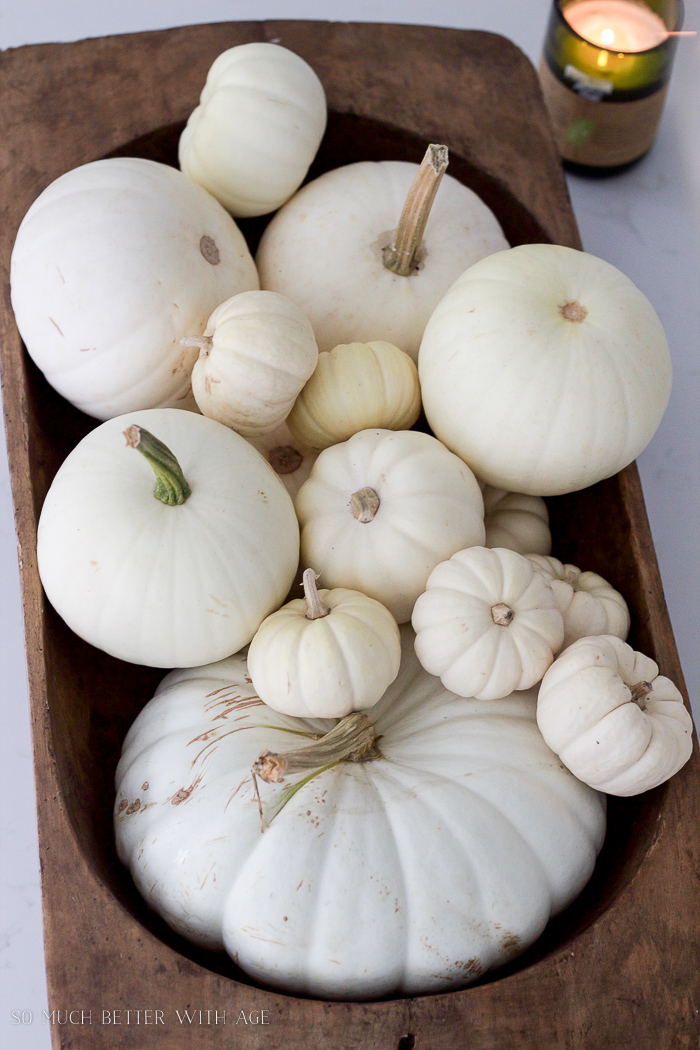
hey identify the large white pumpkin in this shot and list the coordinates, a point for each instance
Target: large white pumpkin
(324, 250)
(258, 125)
(113, 264)
(410, 873)
(166, 585)
(545, 368)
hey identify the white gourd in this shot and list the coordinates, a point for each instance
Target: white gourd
(587, 602)
(487, 623)
(289, 459)
(614, 721)
(379, 512)
(325, 655)
(113, 264)
(356, 386)
(256, 353)
(412, 872)
(516, 521)
(258, 125)
(326, 251)
(545, 368)
(175, 583)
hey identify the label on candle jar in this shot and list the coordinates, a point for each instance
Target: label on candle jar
(587, 86)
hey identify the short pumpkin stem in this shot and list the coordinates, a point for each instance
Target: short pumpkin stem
(400, 255)
(285, 459)
(315, 609)
(204, 342)
(353, 739)
(640, 692)
(502, 614)
(364, 504)
(573, 311)
(171, 484)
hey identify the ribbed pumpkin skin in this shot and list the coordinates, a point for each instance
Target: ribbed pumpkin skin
(166, 586)
(113, 264)
(258, 125)
(409, 874)
(588, 603)
(535, 402)
(516, 521)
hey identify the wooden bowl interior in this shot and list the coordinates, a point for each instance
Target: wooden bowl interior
(93, 698)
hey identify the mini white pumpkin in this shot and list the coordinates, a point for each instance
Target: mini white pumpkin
(113, 264)
(381, 510)
(258, 125)
(587, 602)
(173, 579)
(356, 386)
(325, 655)
(545, 368)
(289, 459)
(487, 623)
(614, 721)
(516, 521)
(412, 872)
(256, 353)
(328, 250)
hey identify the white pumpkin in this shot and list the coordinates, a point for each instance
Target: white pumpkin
(414, 872)
(256, 353)
(325, 655)
(258, 125)
(381, 510)
(487, 623)
(545, 368)
(325, 250)
(614, 721)
(287, 457)
(174, 580)
(587, 602)
(356, 386)
(516, 521)
(113, 264)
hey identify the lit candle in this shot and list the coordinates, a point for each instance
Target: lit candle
(604, 74)
(618, 25)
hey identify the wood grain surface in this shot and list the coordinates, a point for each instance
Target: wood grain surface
(619, 969)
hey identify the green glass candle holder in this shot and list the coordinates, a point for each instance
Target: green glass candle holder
(605, 104)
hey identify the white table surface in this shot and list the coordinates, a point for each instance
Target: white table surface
(646, 222)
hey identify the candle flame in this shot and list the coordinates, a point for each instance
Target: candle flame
(608, 37)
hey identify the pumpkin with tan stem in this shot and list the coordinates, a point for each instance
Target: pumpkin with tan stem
(368, 250)
(381, 510)
(113, 264)
(356, 386)
(545, 368)
(487, 623)
(289, 459)
(614, 721)
(325, 655)
(255, 355)
(259, 122)
(410, 849)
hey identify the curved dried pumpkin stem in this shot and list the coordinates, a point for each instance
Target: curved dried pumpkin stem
(352, 739)
(315, 609)
(400, 255)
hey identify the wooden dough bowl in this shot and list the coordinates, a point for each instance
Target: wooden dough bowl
(619, 968)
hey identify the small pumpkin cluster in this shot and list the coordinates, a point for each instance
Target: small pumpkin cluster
(273, 402)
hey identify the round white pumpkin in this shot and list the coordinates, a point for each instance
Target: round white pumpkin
(587, 602)
(379, 512)
(545, 368)
(324, 250)
(158, 584)
(453, 848)
(516, 521)
(256, 353)
(356, 386)
(258, 125)
(614, 721)
(325, 655)
(289, 459)
(113, 264)
(487, 623)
